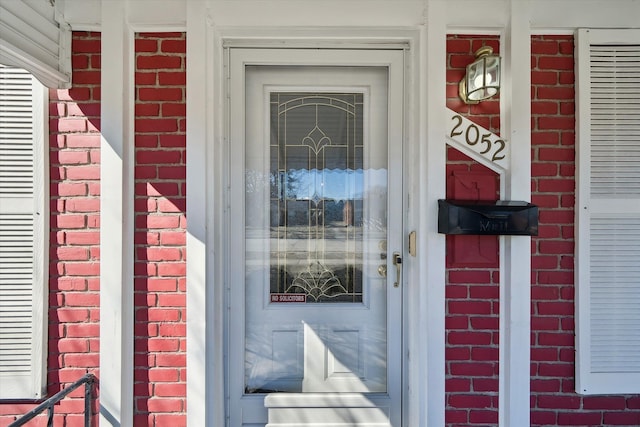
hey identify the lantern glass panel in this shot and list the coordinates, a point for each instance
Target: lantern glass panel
(483, 78)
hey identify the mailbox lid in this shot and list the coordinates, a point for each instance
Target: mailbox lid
(502, 217)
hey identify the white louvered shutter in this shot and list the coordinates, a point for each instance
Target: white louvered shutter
(23, 235)
(608, 212)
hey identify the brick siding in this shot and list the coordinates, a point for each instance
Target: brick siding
(553, 399)
(74, 287)
(472, 275)
(160, 230)
(74, 240)
(472, 292)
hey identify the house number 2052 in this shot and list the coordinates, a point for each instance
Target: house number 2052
(472, 137)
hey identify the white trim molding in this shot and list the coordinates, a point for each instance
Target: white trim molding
(206, 208)
(427, 336)
(459, 16)
(515, 251)
(116, 218)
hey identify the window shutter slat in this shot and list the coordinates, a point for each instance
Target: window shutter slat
(16, 133)
(21, 285)
(615, 294)
(608, 213)
(615, 127)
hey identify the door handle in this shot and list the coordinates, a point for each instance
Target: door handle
(397, 261)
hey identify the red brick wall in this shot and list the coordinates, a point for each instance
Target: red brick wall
(160, 215)
(160, 283)
(75, 234)
(75, 227)
(75, 218)
(553, 399)
(472, 291)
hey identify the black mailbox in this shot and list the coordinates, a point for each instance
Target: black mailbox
(481, 217)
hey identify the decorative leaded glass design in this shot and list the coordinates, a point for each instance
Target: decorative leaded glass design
(316, 197)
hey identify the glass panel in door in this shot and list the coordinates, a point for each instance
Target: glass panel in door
(316, 182)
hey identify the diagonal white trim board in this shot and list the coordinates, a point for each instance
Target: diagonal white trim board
(478, 143)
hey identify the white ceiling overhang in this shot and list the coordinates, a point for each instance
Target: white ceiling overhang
(34, 36)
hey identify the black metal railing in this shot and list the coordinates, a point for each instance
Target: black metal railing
(87, 380)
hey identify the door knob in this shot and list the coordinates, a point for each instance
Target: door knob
(382, 270)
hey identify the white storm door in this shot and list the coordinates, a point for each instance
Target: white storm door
(315, 324)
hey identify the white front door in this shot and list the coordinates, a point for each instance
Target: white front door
(315, 294)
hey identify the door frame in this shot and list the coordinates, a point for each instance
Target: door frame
(239, 58)
(207, 171)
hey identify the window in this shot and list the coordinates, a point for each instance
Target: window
(24, 228)
(608, 211)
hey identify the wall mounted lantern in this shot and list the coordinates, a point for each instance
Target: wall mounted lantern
(482, 79)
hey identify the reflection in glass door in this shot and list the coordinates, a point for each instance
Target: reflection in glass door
(316, 180)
